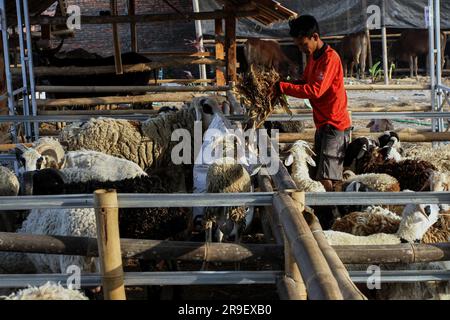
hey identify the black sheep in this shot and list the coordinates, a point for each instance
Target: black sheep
(141, 223)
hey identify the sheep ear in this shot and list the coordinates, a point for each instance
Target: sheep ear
(289, 161)
(311, 161)
(361, 153)
(371, 123)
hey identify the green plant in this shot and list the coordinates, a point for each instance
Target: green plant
(375, 71)
(391, 70)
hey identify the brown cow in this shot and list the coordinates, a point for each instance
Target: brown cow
(353, 48)
(268, 53)
(412, 44)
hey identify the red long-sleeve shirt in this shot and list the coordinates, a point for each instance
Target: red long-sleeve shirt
(324, 78)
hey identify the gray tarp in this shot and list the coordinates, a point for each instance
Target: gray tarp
(337, 17)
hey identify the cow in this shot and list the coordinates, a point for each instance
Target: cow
(412, 44)
(268, 53)
(353, 49)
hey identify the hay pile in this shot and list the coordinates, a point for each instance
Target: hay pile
(260, 97)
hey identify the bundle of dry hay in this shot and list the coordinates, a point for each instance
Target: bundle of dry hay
(260, 96)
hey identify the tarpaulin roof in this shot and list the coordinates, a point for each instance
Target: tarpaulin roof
(338, 17)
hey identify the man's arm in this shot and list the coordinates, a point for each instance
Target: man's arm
(317, 85)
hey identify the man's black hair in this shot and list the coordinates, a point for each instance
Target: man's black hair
(304, 26)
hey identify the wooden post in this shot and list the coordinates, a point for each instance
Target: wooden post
(317, 275)
(348, 288)
(230, 45)
(220, 53)
(116, 40)
(108, 239)
(133, 32)
(4, 127)
(385, 55)
(369, 48)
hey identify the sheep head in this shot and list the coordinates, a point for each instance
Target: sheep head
(47, 153)
(416, 220)
(300, 151)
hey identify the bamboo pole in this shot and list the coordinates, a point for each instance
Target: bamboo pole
(220, 52)
(405, 137)
(116, 40)
(97, 70)
(291, 286)
(155, 250)
(316, 273)
(108, 238)
(230, 44)
(113, 89)
(348, 288)
(133, 30)
(157, 97)
(98, 112)
(163, 17)
(218, 252)
(11, 146)
(180, 81)
(175, 53)
(389, 87)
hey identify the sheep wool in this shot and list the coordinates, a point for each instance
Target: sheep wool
(377, 182)
(227, 177)
(120, 138)
(48, 291)
(103, 166)
(439, 156)
(373, 220)
(9, 184)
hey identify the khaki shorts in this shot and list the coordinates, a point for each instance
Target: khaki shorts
(330, 145)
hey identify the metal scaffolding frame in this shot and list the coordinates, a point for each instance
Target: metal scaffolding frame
(28, 86)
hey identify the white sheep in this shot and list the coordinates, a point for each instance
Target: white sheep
(101, 167)
(48, 291)
(227, 175)
(74, 222)
(416, 220)
(300, 156)
(9, 186)
(377, 182)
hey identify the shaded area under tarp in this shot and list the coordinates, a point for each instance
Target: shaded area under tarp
(337, 17)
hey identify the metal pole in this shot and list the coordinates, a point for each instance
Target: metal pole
(437, 25)
(30, 67)
(26, 105)
(7, 70)
(431, 61)
(384, 46)
(199, 37)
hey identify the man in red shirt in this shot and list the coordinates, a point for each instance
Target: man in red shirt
(323, 85)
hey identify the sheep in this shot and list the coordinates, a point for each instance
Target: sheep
(103, 167)
(299, 158)
(373, 220)
(44, 153)
(356, 150)
(48, 291)
(146, 223)
(439, 156)
(416, 220)
(374, 181)
(227, 175)
(411, 174)
(9, 186)
(145, 144)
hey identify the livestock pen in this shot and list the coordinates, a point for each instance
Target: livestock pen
(303, 265)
